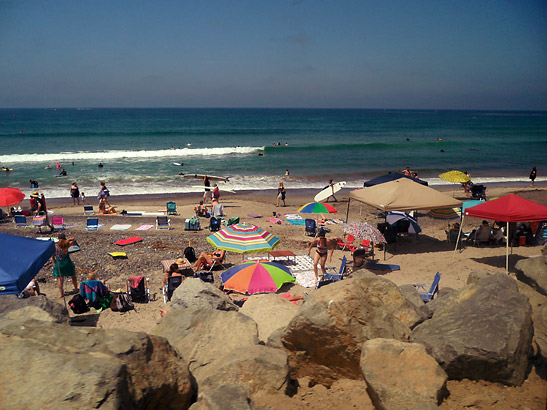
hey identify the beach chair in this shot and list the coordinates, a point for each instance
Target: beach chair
(347, 243)
(310, 227)
(163, 222)
(95, 292)
(365, 250)
(138, 287)
(424, 293)
(334, 275)
(58, 222)
(20, 220)
(478, 192)
(92, 224)
(171, 208)
(232, 221)
(39, 221)
(173, 282)
(88, 210)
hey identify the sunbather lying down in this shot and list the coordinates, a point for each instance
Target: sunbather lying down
(206, 258)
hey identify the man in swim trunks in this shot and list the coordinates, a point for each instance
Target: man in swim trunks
(321, 252)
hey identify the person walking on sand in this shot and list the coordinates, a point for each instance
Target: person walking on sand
(281, 194)
(331, 185)
(207, 189)
(321, 252)
(75, 193)
(533, 175)
(104, 193)
(62, 264)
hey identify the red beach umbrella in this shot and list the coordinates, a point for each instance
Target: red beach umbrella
(10, 196)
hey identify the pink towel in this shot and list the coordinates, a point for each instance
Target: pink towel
(274, 220)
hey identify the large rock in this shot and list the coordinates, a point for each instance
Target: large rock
(325, 337)
(227, 397)
(195, 293)
(270, 312)
(56, 312)
(533, 271)
(475, 276)
(221, 347)
(483, 331)
(411, 294)
(49, 365)
(401, 376)
(539, 316)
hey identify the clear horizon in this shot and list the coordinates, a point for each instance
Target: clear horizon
(297, 54)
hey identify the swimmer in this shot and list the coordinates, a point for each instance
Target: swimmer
(100, 165)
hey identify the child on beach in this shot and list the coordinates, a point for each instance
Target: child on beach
(281, 194)
(82, 194)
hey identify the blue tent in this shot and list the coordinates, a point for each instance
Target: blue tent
(20, 260)
(392, 176)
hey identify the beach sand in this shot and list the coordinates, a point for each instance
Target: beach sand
(419, 258)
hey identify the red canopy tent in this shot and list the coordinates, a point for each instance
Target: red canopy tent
(509, 208)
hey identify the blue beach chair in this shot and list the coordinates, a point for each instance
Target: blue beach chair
(429, 295)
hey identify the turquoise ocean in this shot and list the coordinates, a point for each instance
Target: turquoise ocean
(254, 147)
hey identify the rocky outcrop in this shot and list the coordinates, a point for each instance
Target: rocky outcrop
(475, 276)
(539, 316)
(324, 339)
(401, 376)
(56, 312)
(411, 294)
(533, 272)
(482, 331)
(227, 397)
(222, 347)
(49, 365)
(270, 312)
(195, 293)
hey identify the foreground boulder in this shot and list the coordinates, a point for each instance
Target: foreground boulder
(533, 272)
(411, 294)
(51, 311)
(539, 317)
(195, 293)
(47, 365)
(227, 397)
(270, 312)
(222, 348)
(324, 339)
(401, 375)
(483, 331)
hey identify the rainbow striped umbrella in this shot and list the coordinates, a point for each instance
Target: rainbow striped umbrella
(317, 208)
(445, 213)
(256, 277)
(243, 238)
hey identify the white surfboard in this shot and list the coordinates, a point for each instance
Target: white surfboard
(221, 189)
(179, 164)
(201, 176)
(328, 191)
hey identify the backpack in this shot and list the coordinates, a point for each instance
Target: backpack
(121, 302)
(190, 254)
(77, 304)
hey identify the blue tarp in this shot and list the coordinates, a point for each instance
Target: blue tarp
(392, 176)
(20, 260)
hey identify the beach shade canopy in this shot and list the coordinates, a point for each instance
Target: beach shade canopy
(455, 177)
(10, 196)
(243, 238)
(20, 261)
(403, 195)
(471, 203)
(509, 208)
(445, 213)
(395, 216)
(363, 230)
(392, 176)
(260, 276)
(317, 208)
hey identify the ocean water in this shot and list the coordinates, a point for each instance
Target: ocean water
(254, 147)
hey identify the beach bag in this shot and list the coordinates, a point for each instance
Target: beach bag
(190, 254)
(205, 276)
(121, 302)
(77, 304)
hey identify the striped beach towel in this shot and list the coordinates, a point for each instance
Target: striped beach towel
(119, 227)
(144, 227)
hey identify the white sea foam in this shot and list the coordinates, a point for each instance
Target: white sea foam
(120, 154)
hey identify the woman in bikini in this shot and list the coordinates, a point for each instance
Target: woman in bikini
(208, 258)
(321, 252)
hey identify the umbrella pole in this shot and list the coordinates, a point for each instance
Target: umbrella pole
(347, 212)
(458, 240)
(507, 251)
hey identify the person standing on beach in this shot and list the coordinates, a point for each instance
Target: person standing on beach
(281, 194)
(207, 188)
(75, 193)
(62, 264)
(533, 175)
(321, 252)
(331, 185)
(104, 193)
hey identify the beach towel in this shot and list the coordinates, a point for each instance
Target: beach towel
(254, 216)
(297, 221)
(292, 216)
(92, 228)
(144, 227)
(92, 290)
(119, 227)
(382, 266)
(274, 220)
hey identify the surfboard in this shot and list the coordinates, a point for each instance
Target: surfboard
(201, 176)
(220, 189)
(328, 191)
(7, 169)
(180, 164)
(128, 241)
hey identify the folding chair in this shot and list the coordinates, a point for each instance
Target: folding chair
(310, 227)
(171, 208)
(173, 282)
(58, 222)
(138, 287)
(39, 221)
(429, 295)
(332, 275)
(163, 222)
(347, 243)
(92, 224)
(20, 220)
(88, 210)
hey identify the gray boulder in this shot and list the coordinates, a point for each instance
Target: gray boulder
(411, 294)
(483, 331)
(195, 293)
(56, 312)
(50, 365)
(227, 397)
(539, 316)
(270, 312)
(324, 339)
(475, 276)
(401, 376)
(221, 347)
(533, 272)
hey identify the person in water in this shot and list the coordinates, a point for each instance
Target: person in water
(62, 173)
(321, 252)
(100, 165)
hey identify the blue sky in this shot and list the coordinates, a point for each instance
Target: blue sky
(330, 54)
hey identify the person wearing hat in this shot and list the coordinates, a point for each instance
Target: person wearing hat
(33, 202)
(62, 264)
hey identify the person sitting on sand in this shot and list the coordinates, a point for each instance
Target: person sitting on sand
(173, 271)
(31, 289)
(217, 209)
(201, 210)
(321, 252)
(206, 258)
(103, 210)
(482, 234)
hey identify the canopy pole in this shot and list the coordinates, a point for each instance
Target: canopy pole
(347, 212)
(507, 251)
(458, 240)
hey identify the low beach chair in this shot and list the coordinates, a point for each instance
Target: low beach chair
(347, 243)
(214, 224)
(88, 210)
(92, 224)
(332, 274)
(138, 287)
(173, 282)
(171, 208)
(163, 222)
(20, 220)
(310, 227)
(424, 293)
(58, 222)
